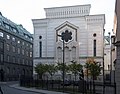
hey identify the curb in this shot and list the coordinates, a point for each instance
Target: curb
(35, 90)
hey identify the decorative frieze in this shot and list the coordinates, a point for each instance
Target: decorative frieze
(69, 11)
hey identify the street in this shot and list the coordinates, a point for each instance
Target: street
(9, 90)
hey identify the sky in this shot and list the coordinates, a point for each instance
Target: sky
(23, 11)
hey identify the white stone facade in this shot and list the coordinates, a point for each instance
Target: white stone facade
(85, 28)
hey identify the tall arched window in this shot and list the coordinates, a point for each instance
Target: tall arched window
(73, 53)
(40, 49)
(67, 55)
(94, 48)
(59, 53)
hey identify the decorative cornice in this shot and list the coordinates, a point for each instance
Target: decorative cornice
(43, 57)
(90, 57)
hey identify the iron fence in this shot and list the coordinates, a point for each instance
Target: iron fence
(70, 86)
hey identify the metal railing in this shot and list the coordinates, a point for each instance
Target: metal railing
(70, 86)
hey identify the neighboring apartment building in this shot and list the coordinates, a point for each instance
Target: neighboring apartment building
(116, 41)
(87, 35)
(107, 53)
(16, 48)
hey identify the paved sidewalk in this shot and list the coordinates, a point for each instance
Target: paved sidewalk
(35, 90)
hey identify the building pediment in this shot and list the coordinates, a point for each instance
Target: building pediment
(66, 24)
(69, 27)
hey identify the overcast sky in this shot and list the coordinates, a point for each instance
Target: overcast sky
(23, 11)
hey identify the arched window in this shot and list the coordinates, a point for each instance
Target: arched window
(94, 47)
(59, 52)
(73, 53)
(67, 55)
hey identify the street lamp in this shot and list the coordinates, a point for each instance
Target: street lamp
(65, 36)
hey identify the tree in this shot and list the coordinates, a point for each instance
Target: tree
(93, 68)
(75, 68)
(40, 69)
(51, 69)
(60, 67)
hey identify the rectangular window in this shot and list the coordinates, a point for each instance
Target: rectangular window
(30, 54)
(27, 53)
(40, 48)
(26, 62)
(14, 30)
(94, 48)
(8, 58)
(18, 60)
(13, 39)
(1, 45)
(8, 37)
(13, 48)
(7, 26)
(30, 63)
(26, 36)
(8, 47)
(31, 39)
(1, 34)
(23, 61)
(23, 43)
(31, 46)
(13, 59)
(27, 45)
(18, 42)
(1, 57)
(23, 52)
(18, 50)
(0, 23)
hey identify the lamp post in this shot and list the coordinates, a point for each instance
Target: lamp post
(65, 36)
(103, 64)
(110, 57)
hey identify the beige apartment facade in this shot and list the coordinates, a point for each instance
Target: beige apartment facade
(117, 44)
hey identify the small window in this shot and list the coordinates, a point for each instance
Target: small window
(13, 48)
(1, 45)
(31, 46)
(1, 34)
(0, 23)
(8, 37)
(26, 62)
(1, 57)
(8, 70)
(27, 45)
(18, 60)
(26, 36)
(23, 43)
(31, 39)
(30, 63)
(14, 30)
(26, 53)
(23, 61)
(18, 50)
(13, 59)
(8, 58)
(94, 35)
(30, 54)
(7, 26)
(8, 47)
(23, 52)
(40, 37)
(18, 42)
(13, 39)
